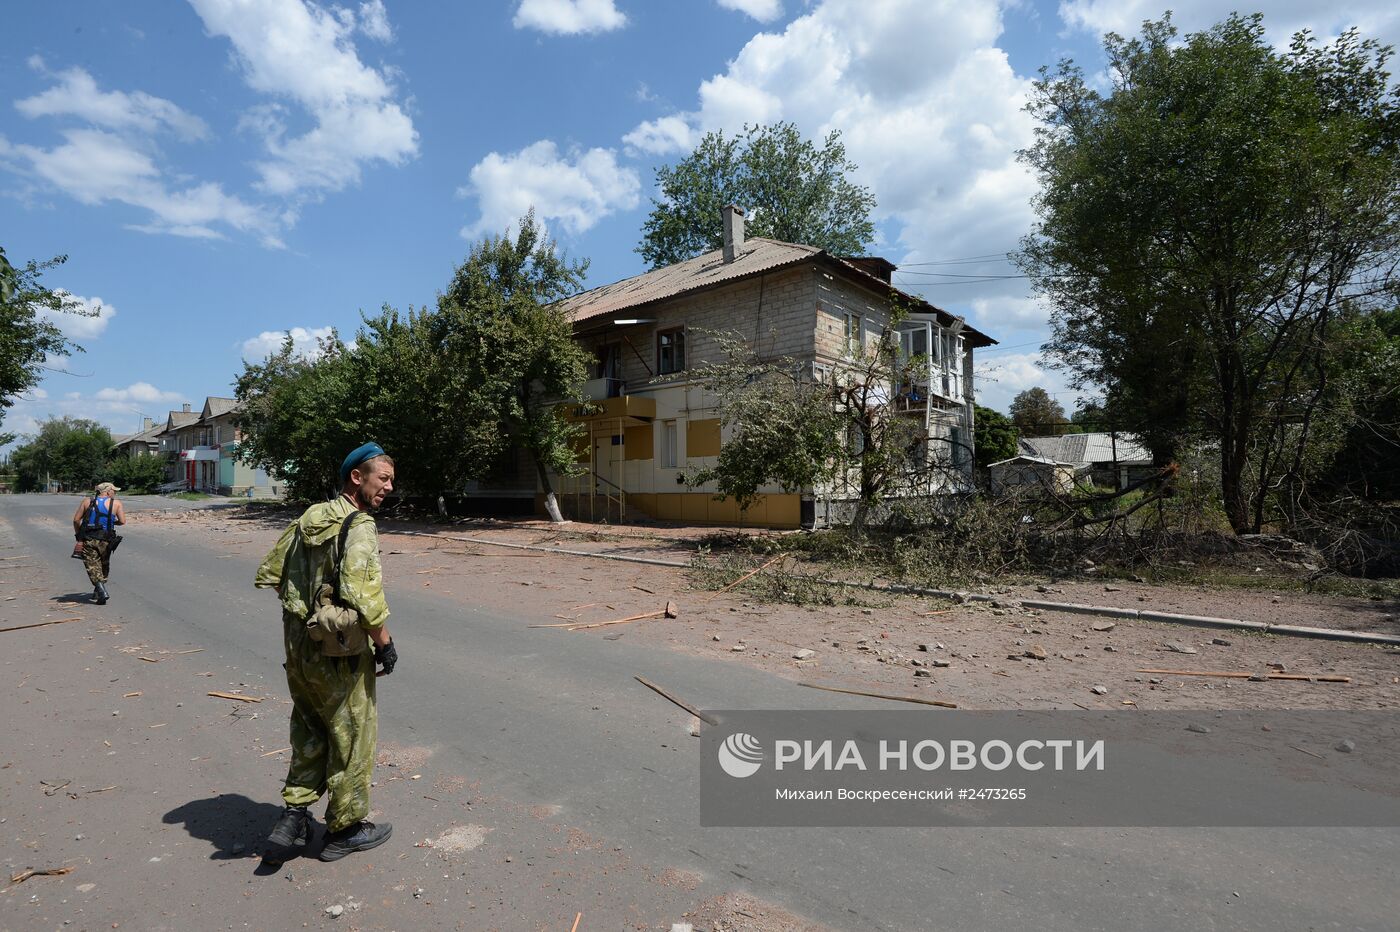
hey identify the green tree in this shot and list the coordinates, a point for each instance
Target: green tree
(996, 436)
(27, 338)
(135, 475)
(1201, 227)
(73, 451)
(791, 190)
(512, 351)
(1036, 414)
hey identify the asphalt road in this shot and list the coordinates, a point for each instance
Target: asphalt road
(583, 784)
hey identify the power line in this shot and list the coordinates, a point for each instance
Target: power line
(1004, 256)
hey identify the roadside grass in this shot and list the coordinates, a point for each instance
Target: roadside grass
(191, 496)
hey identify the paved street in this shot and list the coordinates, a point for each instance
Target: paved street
(540, 778)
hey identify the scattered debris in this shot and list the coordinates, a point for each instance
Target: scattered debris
(1220, 642)
(1103, 626)
(278, 751)
(335, 911)
(40, 624)
(1099, 690)
(53, 787)
(131, 695)
(856, 692)
(1256, 677)
(1346, 746)
(1036, 652)
(1198, 729)
(1176, 647)
(805, 653)
(221, 695)
(1307, 752)
(745, 577)
(24, 875)
(684, 705)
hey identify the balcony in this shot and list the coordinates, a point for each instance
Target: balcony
(602, 389)
(199, 454)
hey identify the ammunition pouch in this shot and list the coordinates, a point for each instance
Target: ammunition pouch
(334, 627)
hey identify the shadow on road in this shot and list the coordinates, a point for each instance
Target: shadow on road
(236, 825)
(73, 598)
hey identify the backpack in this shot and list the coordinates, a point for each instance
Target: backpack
(332, 624)
(93, 520)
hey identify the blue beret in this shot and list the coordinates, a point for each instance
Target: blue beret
(357, 456)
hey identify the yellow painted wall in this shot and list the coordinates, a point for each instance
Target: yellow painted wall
(637, 441)
(782, 511)
(702, 437)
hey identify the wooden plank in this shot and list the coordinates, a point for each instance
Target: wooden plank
(219, 695)
(1234, 675)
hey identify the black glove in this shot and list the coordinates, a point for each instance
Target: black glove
(386, 657)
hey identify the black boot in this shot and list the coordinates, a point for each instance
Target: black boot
(99, 592)
(292, 828)
(361, 836)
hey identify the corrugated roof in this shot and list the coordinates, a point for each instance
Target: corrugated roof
(215, 406)
(179, 419)
(709, 269)
(1087, 448)
(148, 435)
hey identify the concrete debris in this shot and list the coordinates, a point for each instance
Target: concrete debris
(1177, 647)
(335, 911)
(1103, 626)
(1346, 746)
(1099, 690)
(1198, 729)
(804, 654)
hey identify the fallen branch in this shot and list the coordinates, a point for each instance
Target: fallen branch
(1307, 752)
(576, 921)
(856, 692)
(746, 576)
(219, 695)
(194, 651)
(278, 751)
(942, 611)
(670, 611)
(24, 875)
(1318, 678)
(684, 705)
(40, 624)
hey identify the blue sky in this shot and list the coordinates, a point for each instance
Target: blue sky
(221, 171)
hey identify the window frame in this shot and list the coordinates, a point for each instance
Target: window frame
(671, 332)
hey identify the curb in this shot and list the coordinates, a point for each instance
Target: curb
(1075, 608)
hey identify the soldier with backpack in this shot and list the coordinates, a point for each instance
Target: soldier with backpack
(94, 525)
(326, 569)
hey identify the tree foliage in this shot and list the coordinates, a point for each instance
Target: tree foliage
(1036, 414)
(72, 451)
(449, 391)
(790, 189)
(844, 435)
(27, 337)
(996, 436)
(1203, 225)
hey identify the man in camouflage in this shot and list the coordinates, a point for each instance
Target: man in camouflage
(330, 674)
(95, 526)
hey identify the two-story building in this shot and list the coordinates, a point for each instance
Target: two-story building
(652, 422)
(202, 448)
(145, 442)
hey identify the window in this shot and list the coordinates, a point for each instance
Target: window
(668, 444)
(855, 333)
(670, 351)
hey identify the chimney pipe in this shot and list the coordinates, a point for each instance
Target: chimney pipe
(187, 407)
(733, 232)
(147, 423)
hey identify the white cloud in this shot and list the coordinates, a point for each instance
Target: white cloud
(77, 94)
(140, 393)
(1375, 18)
(1002, 376)
(118, 409)
(89, 319)
(569, 17)
(927, 104)
(289, 49)
(374, 21)
(576, 190)
(1006, 313)
(306, 343)
(95, 166)
(762, 10)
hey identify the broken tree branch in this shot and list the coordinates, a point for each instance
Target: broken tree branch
(221, 695)
(684, 705)
(1236, 675)
(856, 692)
(40, 624)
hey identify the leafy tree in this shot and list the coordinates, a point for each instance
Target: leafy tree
(136, 475)
(790, 189)
(1203, 225)
(512, 348)
(1036, 414)
(843, 435)
(73, 451)
(996, 436)
(26, 338)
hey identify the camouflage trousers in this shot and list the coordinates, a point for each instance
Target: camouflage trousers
(97, 560)
(335, 726)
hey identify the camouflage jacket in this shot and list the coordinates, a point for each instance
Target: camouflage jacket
(305, 557)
